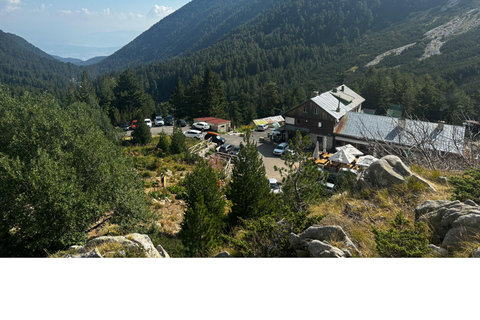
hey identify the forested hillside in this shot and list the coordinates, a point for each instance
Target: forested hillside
(25, 67)
(296, 47)
(195, 26)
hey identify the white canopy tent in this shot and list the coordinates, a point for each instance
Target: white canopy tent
(342, 156)
(366, 161)
(350, 149)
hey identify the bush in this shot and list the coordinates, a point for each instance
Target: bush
(164, 143)
(178, 141)
(345, 181)
(142, 134)
(466, 186)
(401, 240)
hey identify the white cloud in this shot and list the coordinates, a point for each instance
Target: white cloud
(159, 12)
(9, 5)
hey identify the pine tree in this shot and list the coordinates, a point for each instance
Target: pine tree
(202, 223)
(178, 141)
(142, 134)
(249, 190)
(178, 100)
(213, 99)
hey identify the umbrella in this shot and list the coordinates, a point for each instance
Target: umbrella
(366, 161)
(350, 149)
(342, 156)
(316, 154)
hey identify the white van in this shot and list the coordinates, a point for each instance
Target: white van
(262, 127)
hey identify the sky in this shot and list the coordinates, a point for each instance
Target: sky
(82, 29)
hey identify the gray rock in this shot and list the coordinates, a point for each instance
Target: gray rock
(77, 249)
(162, 252)
(145, 243)
(429, 206)
(327, 233)
(451, 221)
(387, 172)
(439, 251)
(471, 203)
(92, 254)
(476, 253)
(131, 242)
(324, 250)
(223, 254)
(124, 242)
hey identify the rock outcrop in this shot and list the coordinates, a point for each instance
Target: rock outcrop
(451, 221)
(132, 245)
(315, 242)
(387, 172)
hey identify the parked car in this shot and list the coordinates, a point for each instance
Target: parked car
(201, 126)
(193, 134)
(182, 123)
(274, 186)
(134, 124)
(262, 127)
(226, 148)
(125, 126)
(281, 149)
(235, 150)
(148, 122)
(215, 138)
(159, 121)
(169, 120)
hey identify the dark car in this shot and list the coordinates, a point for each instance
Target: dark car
(182, 123)
(169, 120)
(235, 150)
(215, 138)
(226, 148)
(125, 126)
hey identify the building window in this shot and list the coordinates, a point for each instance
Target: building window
(298, 121)
(319, 124)
(305, 109)
(315, 111)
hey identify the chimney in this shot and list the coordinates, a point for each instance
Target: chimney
(338, 107)
(441, 125)
(402, 122)
(343, 88)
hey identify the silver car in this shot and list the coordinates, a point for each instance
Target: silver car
(193, 134)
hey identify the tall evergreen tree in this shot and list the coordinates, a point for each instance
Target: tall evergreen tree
(248, 189)
(178, 100)
(213, 99)
(130, 98)
(178, 141)
(202, 222)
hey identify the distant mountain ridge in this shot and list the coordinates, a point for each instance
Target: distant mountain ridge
(80, 62)
(26, 67)
(197, 25)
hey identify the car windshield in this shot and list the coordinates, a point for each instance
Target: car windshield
(274, 186)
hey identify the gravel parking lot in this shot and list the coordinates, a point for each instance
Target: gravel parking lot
(265, 149)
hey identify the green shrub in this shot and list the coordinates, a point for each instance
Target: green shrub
(164, 143)
(345, 181)
(142, 134)
(401, 240)
(147, 174)
(466, 186)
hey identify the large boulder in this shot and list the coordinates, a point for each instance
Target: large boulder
(315, 242)
(133, 245)
(387, 172)
(451, 221)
